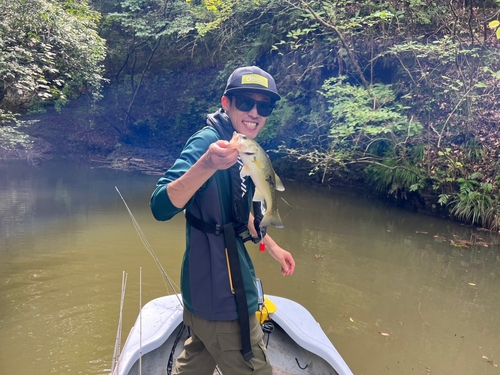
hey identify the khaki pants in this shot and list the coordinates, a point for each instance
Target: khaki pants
(219, 342)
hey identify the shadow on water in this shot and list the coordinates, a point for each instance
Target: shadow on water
(396, 292)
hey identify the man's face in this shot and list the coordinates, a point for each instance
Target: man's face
(249, 123)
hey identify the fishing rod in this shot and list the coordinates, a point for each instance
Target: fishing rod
(116, 352)
(151, 251)
(146, 244)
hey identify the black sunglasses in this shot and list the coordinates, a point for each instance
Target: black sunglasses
(246, 104)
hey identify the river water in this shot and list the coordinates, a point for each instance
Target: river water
(396, 292)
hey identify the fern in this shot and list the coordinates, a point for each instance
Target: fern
(395, 179)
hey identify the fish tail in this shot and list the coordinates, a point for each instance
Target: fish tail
(272, 218)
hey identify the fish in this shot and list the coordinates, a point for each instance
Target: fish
(257, 165)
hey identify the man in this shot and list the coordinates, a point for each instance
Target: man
(218, 279)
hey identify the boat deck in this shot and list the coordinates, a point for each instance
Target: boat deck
(287, 358)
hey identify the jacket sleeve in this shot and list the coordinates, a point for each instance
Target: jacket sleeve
(161, 206)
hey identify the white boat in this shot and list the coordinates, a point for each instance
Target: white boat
(296, 345)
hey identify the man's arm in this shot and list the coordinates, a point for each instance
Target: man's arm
(218, 156)
(202, 155)
(284, 257)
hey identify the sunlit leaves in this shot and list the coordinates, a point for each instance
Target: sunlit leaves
(213, 5)
(155, 18)
(212, 14)
(368, 115)
(49, 50)
(495, 25)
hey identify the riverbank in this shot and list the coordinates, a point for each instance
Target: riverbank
(60, 136)
(17, 144)
(39, 139)
(65, 135)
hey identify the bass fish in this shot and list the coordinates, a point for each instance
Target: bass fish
(257, 165)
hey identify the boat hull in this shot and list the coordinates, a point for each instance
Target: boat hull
(297, 345)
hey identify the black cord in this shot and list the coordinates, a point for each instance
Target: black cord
(298, 364)
(268, 327)
(176, 341)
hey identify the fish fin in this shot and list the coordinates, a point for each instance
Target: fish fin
(234, 140)
(273, 219)
(258, 197)
(279, 184)
(245, 171)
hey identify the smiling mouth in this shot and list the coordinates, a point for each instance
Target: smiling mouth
(250, 125)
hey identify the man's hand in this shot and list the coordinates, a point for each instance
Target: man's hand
(281, 255)
(219, 156)
(286, 260)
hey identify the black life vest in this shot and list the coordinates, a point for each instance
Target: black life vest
(239, 187)
(237, 226)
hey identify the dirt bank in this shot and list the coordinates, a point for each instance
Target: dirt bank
(16, 144)
(55, 136)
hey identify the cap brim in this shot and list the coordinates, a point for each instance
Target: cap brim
(274, 97)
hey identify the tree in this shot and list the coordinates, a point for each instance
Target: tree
(151, 41)
(413, 104)
(50, 52)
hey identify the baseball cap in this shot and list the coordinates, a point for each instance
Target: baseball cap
(253, 79)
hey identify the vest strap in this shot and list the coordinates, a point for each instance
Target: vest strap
(203, 226)
(241, 229)
(239, 289)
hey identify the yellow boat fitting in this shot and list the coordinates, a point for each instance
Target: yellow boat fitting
(268, 308)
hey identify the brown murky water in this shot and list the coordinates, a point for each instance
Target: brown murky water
(396, 292)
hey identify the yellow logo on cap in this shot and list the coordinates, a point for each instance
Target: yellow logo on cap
(255, 79)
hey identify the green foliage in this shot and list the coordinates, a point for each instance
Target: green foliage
(397, 180)
(49, 51)
(156, 18)
(367, 124)
(453, 166)
(7, 117)
(402, 94)
(211, 14)
(374, 112)
(409, 79)
(475, 152)
(474, 203)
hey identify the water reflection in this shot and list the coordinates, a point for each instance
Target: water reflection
(389, 287)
